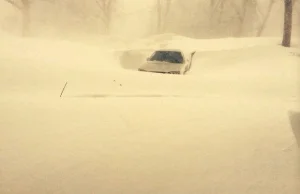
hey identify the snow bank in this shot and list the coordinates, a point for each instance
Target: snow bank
(30, 63)
(223, 128)
(173, 41)
(136, 53)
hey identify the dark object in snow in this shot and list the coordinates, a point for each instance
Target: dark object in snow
(288, 20)
(168, 62)
(63, 89)
(295, 124)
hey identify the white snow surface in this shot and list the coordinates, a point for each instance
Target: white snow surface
(223, 128)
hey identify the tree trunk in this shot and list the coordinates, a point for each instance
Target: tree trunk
(211, 15)
(263, 25)
(287, 29)
(106, 8)
(107, 19)
(241, 13)
(26, 18)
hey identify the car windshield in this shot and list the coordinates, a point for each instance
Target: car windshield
(167, 56)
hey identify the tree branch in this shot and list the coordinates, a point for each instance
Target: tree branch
(13, 3)
(240, 16)
(265, 19)
(100, 4)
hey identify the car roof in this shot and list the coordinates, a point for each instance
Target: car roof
(185, 53)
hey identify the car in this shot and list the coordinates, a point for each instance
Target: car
(171, 61)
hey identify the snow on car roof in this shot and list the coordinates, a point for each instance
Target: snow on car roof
(185, 52)
(178, 50)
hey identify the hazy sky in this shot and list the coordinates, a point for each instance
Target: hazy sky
(135, 19)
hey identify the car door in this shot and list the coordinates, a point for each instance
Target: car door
(191, 59)
(189, 62)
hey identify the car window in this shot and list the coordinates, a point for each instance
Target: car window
(167, 56)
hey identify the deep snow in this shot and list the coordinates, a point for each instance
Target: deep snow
(222, 128)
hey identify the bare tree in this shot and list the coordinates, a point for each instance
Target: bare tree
(265, 18)
(230, 17)
(24, 7)
(14, 3)
(163, 10)
(241, 13)
(287, 29)
(215, 6)
(106, 7)
(245, 13)
(216, 12)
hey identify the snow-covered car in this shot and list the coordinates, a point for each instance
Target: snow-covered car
(168, 61)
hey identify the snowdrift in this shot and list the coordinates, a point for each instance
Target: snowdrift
(132, 59)
(137, 52)
(223, 128)
(238, 62)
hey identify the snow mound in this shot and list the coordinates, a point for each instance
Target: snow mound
(174, 41)
(133, 59)
(224, 123)
(136, 53)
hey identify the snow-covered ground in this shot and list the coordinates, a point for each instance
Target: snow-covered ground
(222, 128)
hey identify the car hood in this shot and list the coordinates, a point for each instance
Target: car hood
(161, 66)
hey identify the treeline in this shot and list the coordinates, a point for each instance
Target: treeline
(194, 18)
